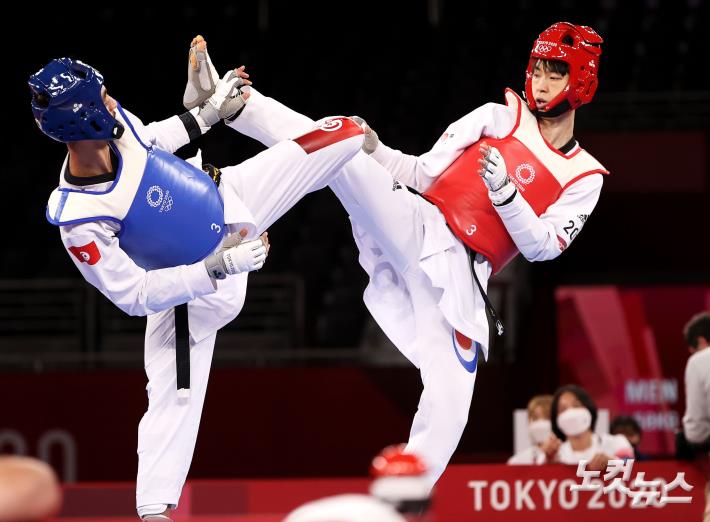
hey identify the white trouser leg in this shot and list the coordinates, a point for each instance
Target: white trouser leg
(269, 121)
(273, 181)
(363, 186)
(444, 405)
(391, 217)
(168, 430)
(394, 220)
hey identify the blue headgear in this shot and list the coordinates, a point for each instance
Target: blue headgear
(67, 104)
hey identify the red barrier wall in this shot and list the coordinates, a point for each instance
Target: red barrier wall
(543, 494)
(465, 492)
(257, 422)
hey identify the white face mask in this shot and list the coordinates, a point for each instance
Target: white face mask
(574, 421)
(540, 430)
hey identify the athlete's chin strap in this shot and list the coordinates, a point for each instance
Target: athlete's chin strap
(555, 111)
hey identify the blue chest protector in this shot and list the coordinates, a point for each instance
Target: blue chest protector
(170, 212)
(177, 216)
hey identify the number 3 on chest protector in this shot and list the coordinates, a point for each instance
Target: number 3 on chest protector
(216, 228)
(471, 230)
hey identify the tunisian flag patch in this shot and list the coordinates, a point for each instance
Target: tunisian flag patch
(86, 254)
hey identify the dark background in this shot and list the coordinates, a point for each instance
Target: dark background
(410, 69)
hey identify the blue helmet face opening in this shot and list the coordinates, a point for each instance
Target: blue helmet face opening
(67, 103)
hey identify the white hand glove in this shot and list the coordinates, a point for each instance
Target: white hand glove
(202, 77)
(371, 138)
(226, 101)
(495, 175)
(236, 256)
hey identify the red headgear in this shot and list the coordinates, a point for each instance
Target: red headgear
(400, 479)
(394, 462)
(579, 46)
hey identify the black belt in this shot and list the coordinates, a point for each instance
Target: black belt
(182, 350)
(490, 309)
(500, 329)
(182, 327)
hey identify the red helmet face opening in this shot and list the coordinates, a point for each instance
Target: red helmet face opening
(579, 46)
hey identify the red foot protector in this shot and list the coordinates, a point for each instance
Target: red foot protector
(329, 132)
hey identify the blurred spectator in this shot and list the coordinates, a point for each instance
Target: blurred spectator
(630, 428)
(574, 416)
(399, 488)
(544, 443)
(696, 421)
(28, 490)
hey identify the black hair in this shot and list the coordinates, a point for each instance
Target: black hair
(624, 421)
(554, 66)
(698, 326)
(582, 396)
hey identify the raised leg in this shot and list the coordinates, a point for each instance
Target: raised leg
(272, 182)
(364, 187)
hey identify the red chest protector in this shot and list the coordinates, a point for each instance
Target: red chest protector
(539, 172)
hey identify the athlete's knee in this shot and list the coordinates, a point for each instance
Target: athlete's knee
(337, 131)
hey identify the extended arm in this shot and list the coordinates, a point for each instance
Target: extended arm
(419, 172)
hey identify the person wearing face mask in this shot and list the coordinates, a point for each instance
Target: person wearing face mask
(574, 416)
(544, 443)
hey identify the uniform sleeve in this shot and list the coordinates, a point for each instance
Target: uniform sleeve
(419, 172)
(547, 236)
(696, 421)
(96, 252)
(170, 134)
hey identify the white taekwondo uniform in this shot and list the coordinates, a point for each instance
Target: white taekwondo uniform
(421, 291)
(255, 194)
